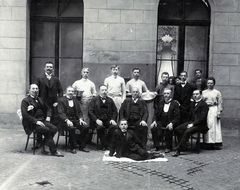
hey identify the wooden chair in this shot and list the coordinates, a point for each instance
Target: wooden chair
(198, 138)
(32, 136)
(174, 136)
(64, 133)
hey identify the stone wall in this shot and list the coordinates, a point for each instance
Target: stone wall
(225, 54)
(13, 54)
(120, 32)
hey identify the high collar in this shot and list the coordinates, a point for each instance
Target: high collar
(48, 74)
(169, 101)
(68, 97)
(33, 97)
(198, 100)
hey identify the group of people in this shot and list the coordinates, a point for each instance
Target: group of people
(183, 108)
(194, 106)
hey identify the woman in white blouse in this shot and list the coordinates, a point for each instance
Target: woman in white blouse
(213, 98)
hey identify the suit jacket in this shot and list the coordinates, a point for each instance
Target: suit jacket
(183, 94)
(159, 89)
(198, 115)
(29, 116)
(202, 86)
(49, 90)
(173, 113)
(63, 108)
(94, 109)
(125, 109)
(132, 143)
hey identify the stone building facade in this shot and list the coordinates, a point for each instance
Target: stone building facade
(122, 32)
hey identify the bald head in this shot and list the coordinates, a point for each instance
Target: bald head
(33, 90)
(135, 93)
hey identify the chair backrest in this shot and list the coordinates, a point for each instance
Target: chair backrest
(19, 113)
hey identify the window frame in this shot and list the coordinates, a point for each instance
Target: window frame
(57, 21)
(182, 24)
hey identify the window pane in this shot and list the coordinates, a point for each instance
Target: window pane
(191, 66)
(71, 40)
(196, 10)
(44, 8)
(196, 44)
(37, 67)
(167, 50)
(72, 8)
(170, 9)
(70, 71)
(43, 39)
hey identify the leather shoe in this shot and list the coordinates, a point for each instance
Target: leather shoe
(73, 151)
(176, 154)
(159, 155)
(56, 153)
(167, 150)
(83, 149)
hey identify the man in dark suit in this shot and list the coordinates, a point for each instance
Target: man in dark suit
(126, 144)
(72, 119)
(36, 116)
(103, 115)
(199, 82)
(183, 94)
(160, 88)
(135, 111)
(50, 88)
(166, 117)
(197, 121)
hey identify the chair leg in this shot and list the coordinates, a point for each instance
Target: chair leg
(175, 139)
(66, 140)
(191, 136)
(27, 142)
(198, 140)
(57, 138)
(97, 141)
(34, 142)
(203, 137)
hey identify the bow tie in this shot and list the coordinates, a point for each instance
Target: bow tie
(167, 102)
(69, 98)
(103, 98)
(35, 99)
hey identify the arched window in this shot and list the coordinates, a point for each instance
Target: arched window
(183, 37)
(56, 35)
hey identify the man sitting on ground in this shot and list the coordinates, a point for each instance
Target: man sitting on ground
(126, 144)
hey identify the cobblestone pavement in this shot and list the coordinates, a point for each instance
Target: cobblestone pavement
(21, 170)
